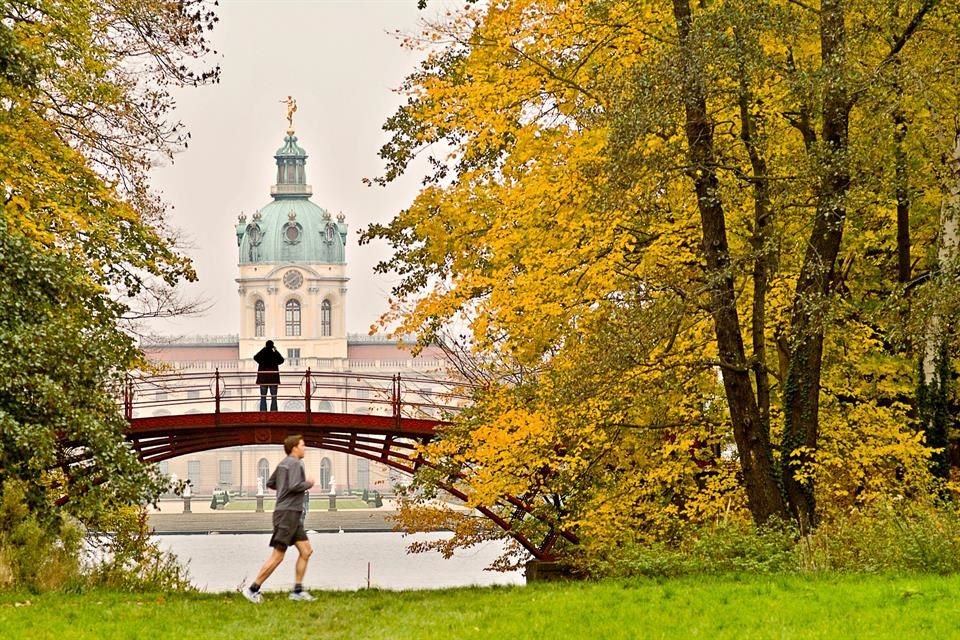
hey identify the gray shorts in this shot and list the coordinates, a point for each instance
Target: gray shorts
(287, 529)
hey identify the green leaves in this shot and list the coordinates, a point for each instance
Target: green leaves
(63, 352)
(84, 87)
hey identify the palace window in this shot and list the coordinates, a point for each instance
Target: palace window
(326, 470)
(326, 319)
(259, 318)
(193, 473)
(363, 473)
(254, 237)
(292, 318)
(292, 233)
(263, 472)
(226, 473)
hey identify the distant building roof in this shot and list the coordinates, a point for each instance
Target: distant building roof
(233, 340)
(229, 340)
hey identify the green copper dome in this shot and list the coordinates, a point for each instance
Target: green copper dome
(291, 229)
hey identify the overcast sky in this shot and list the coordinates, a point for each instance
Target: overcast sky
(342, 63)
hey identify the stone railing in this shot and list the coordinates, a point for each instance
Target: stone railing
(315, 364)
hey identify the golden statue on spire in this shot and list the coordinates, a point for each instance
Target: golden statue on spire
(291, 109)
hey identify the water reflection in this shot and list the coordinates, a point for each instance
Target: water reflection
(222, 562)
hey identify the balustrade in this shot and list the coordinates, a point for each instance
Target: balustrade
(190, 392)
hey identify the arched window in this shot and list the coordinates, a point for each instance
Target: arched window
(293, 318)
(259, 318)
(326, 468)
(325, 319)
(263, 472)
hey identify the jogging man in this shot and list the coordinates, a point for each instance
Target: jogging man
(290, 481)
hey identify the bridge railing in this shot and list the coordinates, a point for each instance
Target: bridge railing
(396, 395)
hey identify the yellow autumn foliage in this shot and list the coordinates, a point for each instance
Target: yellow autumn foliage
(562, 223)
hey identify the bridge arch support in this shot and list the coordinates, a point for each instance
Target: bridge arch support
(388, 440)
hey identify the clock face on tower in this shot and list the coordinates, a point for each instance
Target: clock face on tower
(292, 279)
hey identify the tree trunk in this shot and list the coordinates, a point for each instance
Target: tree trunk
(935, 367)
(901, 187)
(753, 441)
(903, 199)
(814, 284)
(760, 241)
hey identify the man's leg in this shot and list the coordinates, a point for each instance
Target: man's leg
(273, 397)
(252, 592)
(263, 397)
(303, 546)
(276, 557)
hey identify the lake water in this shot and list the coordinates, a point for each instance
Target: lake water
(339, 562)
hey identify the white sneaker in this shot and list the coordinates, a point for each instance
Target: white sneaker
(253, 596)
(303, 596)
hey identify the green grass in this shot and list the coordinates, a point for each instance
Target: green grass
(849, 606)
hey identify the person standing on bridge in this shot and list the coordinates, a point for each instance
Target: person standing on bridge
(268, 374)
(290, 481)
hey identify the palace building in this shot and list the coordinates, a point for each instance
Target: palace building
(292, 285)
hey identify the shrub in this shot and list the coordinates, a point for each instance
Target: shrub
(39, 557)
(129, 560)
(890, 536)
(32, 556)
(725, 547)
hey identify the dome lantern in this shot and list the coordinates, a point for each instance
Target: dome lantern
(291, 170)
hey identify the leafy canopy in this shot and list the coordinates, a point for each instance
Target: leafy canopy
(646, 306)
(84, 110)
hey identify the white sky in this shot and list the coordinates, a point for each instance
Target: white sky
(342, 63)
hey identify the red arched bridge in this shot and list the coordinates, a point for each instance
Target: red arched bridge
(383, 418)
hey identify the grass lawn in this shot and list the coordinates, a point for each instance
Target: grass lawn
(901, 607)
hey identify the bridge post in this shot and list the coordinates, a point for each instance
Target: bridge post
(128, 398)
(396, 399)
(308, 395)
(216, 390)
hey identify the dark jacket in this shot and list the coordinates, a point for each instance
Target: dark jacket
(268, 365)
(290, 482)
